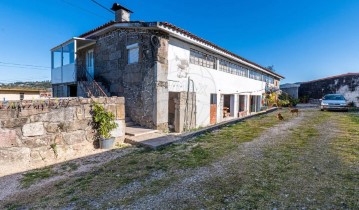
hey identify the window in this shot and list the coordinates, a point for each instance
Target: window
(56, 58)
(68, 54)
(232, 68)
(268, 79)
(255, 75)
(22, 96)
(133, 53)
(63, 55)
(202, 59)
(213, 99)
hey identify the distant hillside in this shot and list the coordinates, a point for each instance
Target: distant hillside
(28, 85)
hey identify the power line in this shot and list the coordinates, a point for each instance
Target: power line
(102, 6)
(112, 12)
(88, 11)
(26, 67)
(18, 64)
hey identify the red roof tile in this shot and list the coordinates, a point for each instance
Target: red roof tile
(187, 33)
(98, 28)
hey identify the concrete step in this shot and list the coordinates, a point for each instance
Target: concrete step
(139, 131)
(104, 88)
(130, 123)
(152, 140)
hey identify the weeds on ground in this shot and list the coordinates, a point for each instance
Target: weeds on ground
(256, 183)
(70, 166)
(346, 144)
(36, 175)
(293, 174)
(144, 165)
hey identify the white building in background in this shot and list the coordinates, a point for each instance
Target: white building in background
(170, 77)
(15, 94)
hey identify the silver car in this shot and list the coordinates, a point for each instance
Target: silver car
(334, 102)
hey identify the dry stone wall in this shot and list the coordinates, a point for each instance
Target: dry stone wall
(54, 129)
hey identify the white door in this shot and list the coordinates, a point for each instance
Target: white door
(90, 63)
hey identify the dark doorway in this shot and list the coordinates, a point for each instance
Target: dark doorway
(242, 103)
(227, 106)
(73, 90)
(255, 103)
(172, 100)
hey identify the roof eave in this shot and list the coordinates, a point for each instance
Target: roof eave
(68, 41)
(160, 25)
(192, 39)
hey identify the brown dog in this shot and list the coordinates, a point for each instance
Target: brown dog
(280, 117)
(294, 111)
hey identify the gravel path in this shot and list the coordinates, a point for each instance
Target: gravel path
(186, 190)
(10, 185)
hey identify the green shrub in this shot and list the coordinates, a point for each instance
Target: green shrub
(105, 120)
(287, 100)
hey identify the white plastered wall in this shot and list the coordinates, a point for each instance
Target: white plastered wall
(206, 81)
(15, 95)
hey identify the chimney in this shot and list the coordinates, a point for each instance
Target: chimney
(122, 14)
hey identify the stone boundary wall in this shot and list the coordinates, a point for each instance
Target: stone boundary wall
(46, 131)
(347, 85)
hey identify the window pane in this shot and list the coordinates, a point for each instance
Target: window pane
(133, 55)
(202, 59)
(56, 56)
(69, 53)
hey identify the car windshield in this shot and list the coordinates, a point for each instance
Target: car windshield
(333, 97)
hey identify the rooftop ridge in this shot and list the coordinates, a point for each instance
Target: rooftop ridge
(185, 32)
(332, 77)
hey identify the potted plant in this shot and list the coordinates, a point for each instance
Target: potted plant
(105, 123)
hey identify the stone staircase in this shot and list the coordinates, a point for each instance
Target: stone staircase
(134, 130)
(104, 89)
(137, 135)
(89, 86)
(93, 89)
(129, 122)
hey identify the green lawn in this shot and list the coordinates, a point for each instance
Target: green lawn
(312, 164)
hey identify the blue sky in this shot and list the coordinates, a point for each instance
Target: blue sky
(304, 40)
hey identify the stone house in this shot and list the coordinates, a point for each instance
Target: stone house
(169, 77)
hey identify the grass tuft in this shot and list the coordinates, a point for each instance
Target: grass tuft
(34, 176)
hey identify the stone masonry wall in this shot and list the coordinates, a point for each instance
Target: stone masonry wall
(50, 130)
(141, 83)
(346, 85)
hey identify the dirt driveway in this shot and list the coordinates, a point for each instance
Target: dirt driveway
(309, 161)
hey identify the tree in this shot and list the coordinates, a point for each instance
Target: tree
(271, 67)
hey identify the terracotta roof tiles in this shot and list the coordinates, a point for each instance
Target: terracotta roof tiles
(184, 32)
